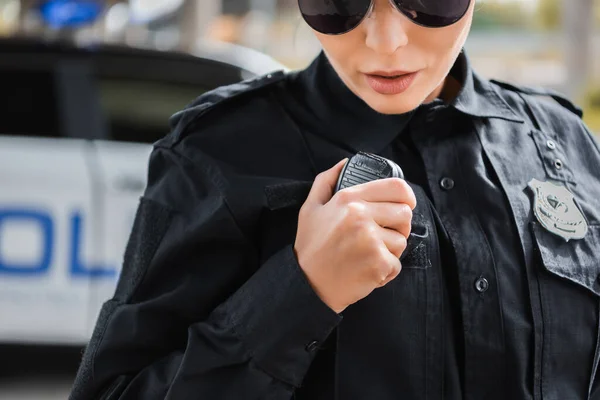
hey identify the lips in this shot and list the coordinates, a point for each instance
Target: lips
(390, 83)
(388, 77)
(392, 74)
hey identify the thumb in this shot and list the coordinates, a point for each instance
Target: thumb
(324, 184)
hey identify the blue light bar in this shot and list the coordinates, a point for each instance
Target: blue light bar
(70, 13)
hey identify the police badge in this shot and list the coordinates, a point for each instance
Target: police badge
(554, 207)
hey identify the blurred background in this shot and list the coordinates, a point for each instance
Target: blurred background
(88, 85)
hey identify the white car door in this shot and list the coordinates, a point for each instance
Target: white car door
(46, 246)
(49, 252)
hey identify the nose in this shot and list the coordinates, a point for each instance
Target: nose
(385, 28)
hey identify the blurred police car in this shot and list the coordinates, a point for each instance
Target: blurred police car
(76, 127)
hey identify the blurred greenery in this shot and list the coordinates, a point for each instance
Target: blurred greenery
(548, 14)
(500, 15)
(591, 106)
(491, 16)
(593, 98)
(494, 15)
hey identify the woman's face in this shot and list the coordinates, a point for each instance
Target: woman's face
(387, 42)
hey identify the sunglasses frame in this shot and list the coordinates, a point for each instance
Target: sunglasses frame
(370, 10)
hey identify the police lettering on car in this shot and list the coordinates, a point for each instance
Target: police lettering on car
(474, 277)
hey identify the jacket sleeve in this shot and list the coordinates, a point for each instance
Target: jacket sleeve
(193, 314)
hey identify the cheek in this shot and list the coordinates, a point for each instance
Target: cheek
(341, 51)
(446, 42)
(338, 47)
(445, 45)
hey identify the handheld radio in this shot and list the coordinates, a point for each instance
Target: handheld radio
(365, 167)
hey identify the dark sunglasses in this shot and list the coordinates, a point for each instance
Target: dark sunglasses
(334, 17)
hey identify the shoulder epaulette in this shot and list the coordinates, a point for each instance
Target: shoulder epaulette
(543, 94)
(181, 120)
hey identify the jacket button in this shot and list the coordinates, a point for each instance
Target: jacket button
(447, 183)
(551, 145)
(312, 346)
(482, 285)
(558, 164)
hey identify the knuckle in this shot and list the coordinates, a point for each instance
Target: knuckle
(396, 184)
(397, 268)
(344, 196)
(406, 212)
(395, 244)
(411, 196)
(403, 216)
(356, 210)
(402, 242)
(403, 189)
(366, 233)
(409, 211)
(400, 246)
(400, 183)
(375, 242)
(383, 262)
(380, 271)
(387, 269)
(399, 187)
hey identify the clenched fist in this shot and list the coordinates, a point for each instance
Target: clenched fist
(350, 243)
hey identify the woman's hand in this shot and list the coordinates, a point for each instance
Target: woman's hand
(350, 243)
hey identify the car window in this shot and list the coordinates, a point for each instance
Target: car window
(28, 103)
(139, 110)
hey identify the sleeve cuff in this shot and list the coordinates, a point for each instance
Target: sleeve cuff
(280, 318)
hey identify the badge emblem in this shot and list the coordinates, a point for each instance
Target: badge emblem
(554, 207)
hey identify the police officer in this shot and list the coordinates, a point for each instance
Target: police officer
(476, 277)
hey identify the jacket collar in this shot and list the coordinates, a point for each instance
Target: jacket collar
(478, 97)
(338, 115)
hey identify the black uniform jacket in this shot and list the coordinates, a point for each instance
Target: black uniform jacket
(490, 303)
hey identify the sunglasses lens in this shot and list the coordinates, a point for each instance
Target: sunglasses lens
(434, 13)
(333, 16)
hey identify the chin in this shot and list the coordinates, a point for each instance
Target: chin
(398, 104)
